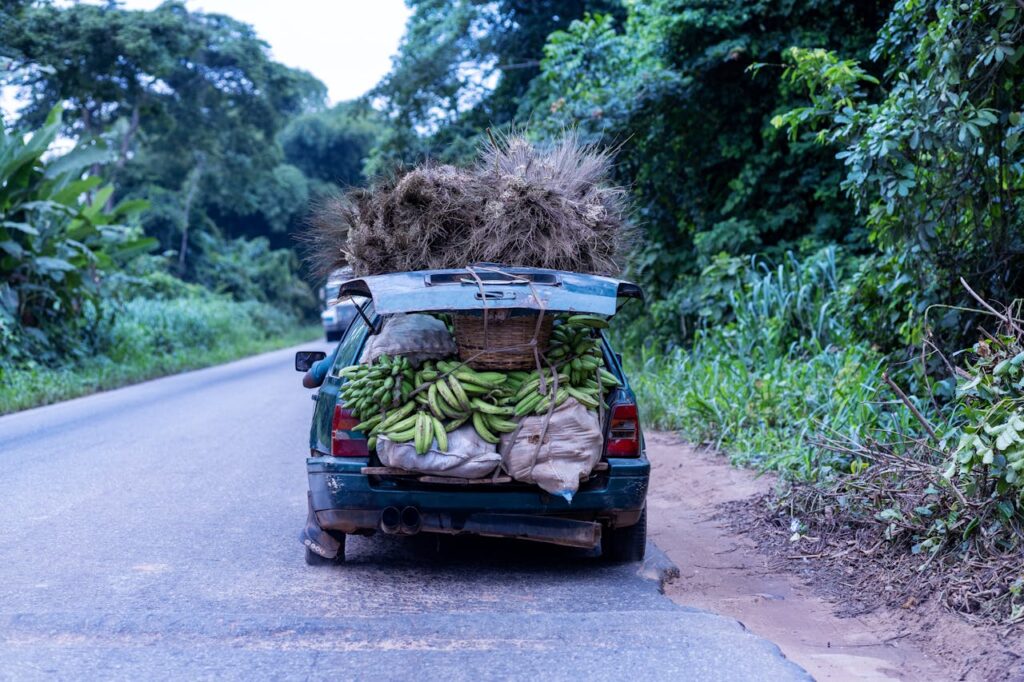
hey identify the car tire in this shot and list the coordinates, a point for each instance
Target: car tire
(332, 336)
(314, 559)
(625, 545)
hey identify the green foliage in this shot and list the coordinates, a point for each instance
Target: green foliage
(144, 327)
(464, 65)
(187, 112)
(784, 369)
(332, 146)
(183, 72)
(55, 246)
(146, 338)
(935, 162)
(249, 270)
(190, 103)
(792, 303)
(709, 172)
(433, 74)
(763, 411)
(696, 302)
(887, 305)
(177, 116)
(990, 451)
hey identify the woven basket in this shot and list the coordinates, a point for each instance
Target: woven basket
(507, 345)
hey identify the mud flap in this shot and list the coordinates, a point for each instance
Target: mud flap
(316, 538)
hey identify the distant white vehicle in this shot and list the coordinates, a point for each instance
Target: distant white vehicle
(337, 315)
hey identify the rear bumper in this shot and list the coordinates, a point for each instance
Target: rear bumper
(343, 499)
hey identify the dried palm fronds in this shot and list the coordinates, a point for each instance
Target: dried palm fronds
(520, 204)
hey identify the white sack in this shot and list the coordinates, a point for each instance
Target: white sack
(417, 337)
(468, 455)
(571, 447)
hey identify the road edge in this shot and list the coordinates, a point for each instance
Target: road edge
(658, 566)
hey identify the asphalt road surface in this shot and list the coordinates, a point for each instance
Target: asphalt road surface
(153, 531)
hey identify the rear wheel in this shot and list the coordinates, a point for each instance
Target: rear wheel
(623, 545)
(332, 336)
(314, 559)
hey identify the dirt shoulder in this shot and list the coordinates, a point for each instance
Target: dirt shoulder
(777, 594)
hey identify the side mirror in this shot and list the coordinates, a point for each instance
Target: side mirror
(304, 359)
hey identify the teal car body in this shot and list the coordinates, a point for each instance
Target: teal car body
(349, 493)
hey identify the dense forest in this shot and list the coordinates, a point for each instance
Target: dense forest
(829, 194)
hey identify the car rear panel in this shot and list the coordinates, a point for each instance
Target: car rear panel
(338, 483)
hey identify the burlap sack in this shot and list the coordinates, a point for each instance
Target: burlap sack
(570, 448)
(418, 337)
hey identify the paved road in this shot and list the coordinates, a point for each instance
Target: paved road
(153, 531)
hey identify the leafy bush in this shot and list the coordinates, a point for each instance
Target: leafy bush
(250, 270)
(55, 247)
(943, 498)
(933, 163)
(143, 326)
(144, 338)
(785, 368)
(990, 451)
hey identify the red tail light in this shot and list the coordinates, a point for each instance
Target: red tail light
(345, 440)
(624, 431)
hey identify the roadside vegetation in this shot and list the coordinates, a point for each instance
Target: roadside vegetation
(145, 338)
(829, 193)
(879, 373)
(152, 176)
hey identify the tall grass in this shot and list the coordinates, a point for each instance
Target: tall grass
(762, 411)
(783, 370)
(147, 338)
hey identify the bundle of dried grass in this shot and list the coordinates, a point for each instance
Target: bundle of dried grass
(519, 205)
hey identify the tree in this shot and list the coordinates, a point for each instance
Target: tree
(935, 161)
(672, 87)
(464, 65)
(332, 146)
(191, 102)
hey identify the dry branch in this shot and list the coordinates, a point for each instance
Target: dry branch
(520, 204)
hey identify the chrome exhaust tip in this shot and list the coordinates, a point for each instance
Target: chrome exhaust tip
(410, 520)
(391, 520)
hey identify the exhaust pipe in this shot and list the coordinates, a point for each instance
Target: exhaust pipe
(411, 521)
(391, 520)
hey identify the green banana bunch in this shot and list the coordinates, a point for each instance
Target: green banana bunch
(448, 395)
(377, 387)
(422, 406)
(461, 394)
(576, 352)
(421, 428)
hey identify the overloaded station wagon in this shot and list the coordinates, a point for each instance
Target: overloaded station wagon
(353, 492)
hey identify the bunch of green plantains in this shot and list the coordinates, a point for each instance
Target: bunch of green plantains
(423, 404)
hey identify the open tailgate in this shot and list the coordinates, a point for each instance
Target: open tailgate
(493, 287)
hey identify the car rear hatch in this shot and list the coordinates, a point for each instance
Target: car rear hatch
(487, 287)
(490, 287)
